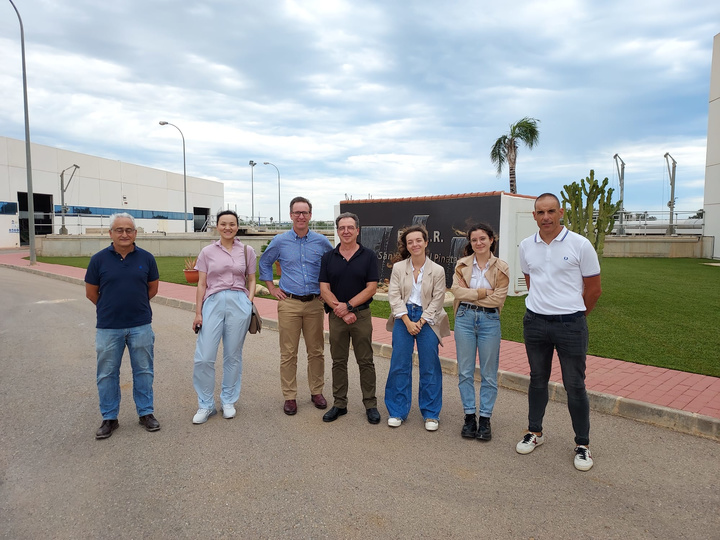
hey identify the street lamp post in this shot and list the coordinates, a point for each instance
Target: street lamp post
(28, 160)
(163, 123)
(278, 173)
(63, 189)
(252, 192)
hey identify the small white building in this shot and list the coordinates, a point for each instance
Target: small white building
(95, 189)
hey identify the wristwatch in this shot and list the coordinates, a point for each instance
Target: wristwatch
(349, 307)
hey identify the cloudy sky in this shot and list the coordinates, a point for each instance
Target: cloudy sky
(368, 97)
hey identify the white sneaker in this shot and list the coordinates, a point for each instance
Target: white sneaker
(228, 410)
(431, 424)
(394, 421)
(203, 414)
(529, 442)
(583, 459)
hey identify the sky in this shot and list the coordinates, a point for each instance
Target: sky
(371, 98)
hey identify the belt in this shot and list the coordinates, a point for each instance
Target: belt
(568, 317)
(479, 308)
(306, 298)
(361, 307)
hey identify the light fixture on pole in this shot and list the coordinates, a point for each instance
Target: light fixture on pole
(28, 160)
(252, 192)
(278, 173)
(163, 123)
(620, 164)
(671, 202)
(63, 189)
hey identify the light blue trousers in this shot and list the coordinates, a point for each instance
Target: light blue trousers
(226, 315)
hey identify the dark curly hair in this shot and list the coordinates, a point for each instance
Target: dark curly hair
(480, 227)
(403, 252)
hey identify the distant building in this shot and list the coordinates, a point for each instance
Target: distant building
(99, 187)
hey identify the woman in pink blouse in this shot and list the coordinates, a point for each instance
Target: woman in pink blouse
(223, 309)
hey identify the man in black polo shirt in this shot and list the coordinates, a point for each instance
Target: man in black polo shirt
(348, 280)
(120, 280)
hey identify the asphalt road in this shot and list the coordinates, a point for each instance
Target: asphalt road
(267, 475)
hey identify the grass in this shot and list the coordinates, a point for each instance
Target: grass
(659, 312)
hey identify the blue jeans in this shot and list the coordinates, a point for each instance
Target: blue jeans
(226, 316)
(110, 345)
(570, 338)
(398, 389)
(477, 332)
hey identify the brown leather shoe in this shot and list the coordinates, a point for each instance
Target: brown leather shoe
(106, 428)
(149, 422)
(290, 407)
(319, 401)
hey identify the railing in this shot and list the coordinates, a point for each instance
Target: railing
(658, 223)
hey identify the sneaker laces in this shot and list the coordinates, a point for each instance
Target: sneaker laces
(528, 437)
(581, 452)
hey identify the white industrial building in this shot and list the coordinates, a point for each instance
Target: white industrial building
(712, 163)
(94, 189)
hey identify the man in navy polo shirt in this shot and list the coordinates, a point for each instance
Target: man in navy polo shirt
(348, 280)
(120, 281)
(562, 274)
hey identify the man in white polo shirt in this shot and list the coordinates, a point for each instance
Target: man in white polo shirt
(562, 273)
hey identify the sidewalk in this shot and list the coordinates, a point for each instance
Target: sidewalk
(684, 402)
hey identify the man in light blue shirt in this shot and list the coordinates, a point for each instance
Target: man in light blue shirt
(300, 308)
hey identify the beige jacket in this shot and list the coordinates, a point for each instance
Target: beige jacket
(498, 275)
(432, 292)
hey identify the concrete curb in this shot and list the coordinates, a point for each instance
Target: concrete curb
(682, 421)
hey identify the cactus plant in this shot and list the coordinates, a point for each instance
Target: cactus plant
(580, 215)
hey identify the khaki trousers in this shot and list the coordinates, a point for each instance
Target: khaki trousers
(295, 317)
(361, 334)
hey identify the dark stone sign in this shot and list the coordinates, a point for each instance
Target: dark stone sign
(446, 218)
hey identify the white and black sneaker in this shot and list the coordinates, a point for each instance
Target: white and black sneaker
(529, 442)
(583, 459)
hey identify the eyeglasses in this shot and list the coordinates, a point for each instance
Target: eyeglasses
(298, 214)
(348, 228)
(126, 231)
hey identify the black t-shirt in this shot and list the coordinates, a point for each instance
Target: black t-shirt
(348, 278)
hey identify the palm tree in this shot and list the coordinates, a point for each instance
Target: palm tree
(505, 148)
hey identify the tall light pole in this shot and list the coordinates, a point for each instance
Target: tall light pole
(28, 160)
(252, 191)
(671, 202)
(63, 189)
(278, 172)
(621, 179)
(163, 123)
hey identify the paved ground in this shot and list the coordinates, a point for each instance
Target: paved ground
(267, 475)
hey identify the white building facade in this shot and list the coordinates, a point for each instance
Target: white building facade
(95, 189)
(712, 161)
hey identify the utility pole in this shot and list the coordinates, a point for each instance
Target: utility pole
(63, 189)
(671, 202)
(621, 178)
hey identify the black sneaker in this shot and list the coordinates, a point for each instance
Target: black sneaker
(483, 431)
(470, 427)
(106, 428)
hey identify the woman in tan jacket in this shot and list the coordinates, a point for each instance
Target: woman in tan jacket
(416, 294)
(480, 285)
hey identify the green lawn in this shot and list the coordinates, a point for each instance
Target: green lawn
(660, 312)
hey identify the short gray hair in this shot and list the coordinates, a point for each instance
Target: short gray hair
(347, 215)
(113, 217)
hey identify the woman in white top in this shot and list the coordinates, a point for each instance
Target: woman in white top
(480, 286)
(416, 294)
